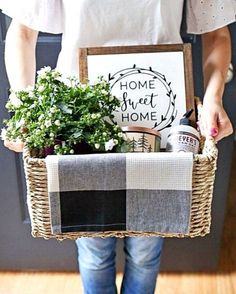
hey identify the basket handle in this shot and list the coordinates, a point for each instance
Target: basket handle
(209, 145)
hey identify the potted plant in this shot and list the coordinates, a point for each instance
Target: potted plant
(63, 116)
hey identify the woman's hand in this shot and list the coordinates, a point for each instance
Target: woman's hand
(16, 146)
(214, 121)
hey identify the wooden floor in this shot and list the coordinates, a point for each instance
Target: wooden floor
(222, 282)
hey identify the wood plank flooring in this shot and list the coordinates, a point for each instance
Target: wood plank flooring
(222, 282)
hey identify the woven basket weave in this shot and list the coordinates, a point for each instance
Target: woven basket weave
(204, 166)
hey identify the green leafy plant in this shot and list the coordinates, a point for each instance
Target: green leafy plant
(60, 115)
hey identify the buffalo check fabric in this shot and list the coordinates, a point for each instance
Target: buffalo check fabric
(147, 192)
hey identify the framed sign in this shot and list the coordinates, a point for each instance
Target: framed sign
(153, 82)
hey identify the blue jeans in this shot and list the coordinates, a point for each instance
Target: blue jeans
(97, 264)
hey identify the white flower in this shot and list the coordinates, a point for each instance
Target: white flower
(43, 71)
(3, 134)
(41, 88)
(63, 80)
(55, 74)
(53, 109)
(31, 94)
(57, 123)
(40, 98)
(83, 86)
(104, 92)
(20, 123)
(68, 81)
(115, 141)
(41, 117)
(110, 144)
(93, 116)
(47, 123)
(15, 101)
(29, 89)
(72, 151)
(103, 83)
(97, 146)
(120, 135)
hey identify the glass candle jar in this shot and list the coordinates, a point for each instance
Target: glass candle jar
(141, 139)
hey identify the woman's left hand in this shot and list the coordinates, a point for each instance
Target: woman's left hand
(214, 121)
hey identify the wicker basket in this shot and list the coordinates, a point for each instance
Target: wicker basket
(204, 166)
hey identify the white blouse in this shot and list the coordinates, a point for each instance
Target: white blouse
(89, 23)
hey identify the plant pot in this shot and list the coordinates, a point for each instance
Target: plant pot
(83, 148)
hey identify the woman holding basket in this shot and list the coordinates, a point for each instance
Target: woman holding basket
(90, 23)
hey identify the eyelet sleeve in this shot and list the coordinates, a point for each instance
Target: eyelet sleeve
(205, 16)
(40, 15)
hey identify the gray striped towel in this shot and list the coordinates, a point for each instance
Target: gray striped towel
(148, 192)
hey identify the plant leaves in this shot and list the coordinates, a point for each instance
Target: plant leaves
(64, 108)
(77, 134)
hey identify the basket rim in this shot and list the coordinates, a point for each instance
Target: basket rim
(209, 153)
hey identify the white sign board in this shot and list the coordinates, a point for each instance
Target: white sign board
(151, 87)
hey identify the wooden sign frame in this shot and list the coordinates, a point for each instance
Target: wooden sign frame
(186, 57)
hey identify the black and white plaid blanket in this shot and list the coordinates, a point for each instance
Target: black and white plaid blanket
(148, 192)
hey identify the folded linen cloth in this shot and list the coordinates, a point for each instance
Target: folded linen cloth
(148, 192)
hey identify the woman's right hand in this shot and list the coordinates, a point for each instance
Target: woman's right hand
(214, 121)
(16, 146)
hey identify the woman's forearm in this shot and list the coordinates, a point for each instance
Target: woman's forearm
(20, 63)
(216, 58)
(214, 120)
(20, 55)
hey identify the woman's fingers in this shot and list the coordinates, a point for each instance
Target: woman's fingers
(225, 127)
(215, 122)
(14, 146)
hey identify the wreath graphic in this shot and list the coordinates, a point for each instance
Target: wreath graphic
(169, 116)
